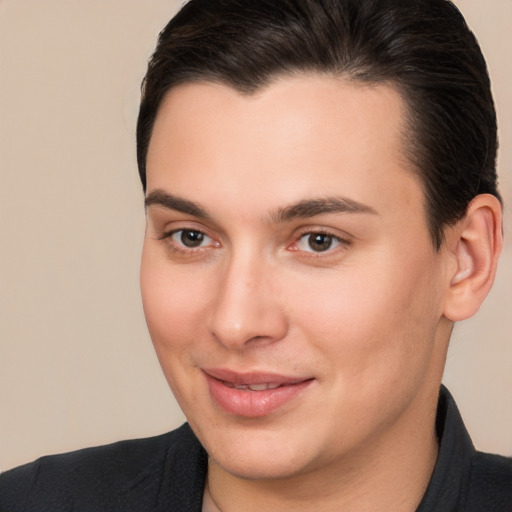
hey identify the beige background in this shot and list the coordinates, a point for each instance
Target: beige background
(76, 364)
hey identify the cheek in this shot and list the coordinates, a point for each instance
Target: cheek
(172, 303)
(375, 331)
(377, 319)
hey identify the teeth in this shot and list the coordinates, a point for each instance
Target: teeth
(272, 386)
(253, 387)
(258, 387)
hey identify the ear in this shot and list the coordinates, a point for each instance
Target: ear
(474, 245)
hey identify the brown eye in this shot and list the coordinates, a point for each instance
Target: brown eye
(191, 238)
(318, 242)
(188, 241)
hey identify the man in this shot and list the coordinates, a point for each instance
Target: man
(321, 208)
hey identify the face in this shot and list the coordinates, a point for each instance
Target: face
(290, 286)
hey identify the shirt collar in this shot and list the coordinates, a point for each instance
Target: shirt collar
(448, 487)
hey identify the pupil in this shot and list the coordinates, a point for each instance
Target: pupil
(319, 242)
(192, 238)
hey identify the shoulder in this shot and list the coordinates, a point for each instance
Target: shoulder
(111, 477)
(490, 483)
(464, 478)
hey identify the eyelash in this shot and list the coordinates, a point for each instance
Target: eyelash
(182, 249)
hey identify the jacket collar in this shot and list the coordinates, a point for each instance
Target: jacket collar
(449, 484)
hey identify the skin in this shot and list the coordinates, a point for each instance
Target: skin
(364, 319)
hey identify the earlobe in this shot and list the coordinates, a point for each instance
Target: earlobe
(475, 246)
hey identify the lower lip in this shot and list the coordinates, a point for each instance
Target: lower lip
(253, 404)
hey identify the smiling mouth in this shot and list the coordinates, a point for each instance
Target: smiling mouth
(254, 394)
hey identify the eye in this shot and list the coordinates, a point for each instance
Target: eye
(318, 242)
(190, 238)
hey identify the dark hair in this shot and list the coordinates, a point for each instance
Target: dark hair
(422, 47)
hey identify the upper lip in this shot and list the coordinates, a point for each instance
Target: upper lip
(252, 377)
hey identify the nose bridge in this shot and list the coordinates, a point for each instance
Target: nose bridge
(245, 308)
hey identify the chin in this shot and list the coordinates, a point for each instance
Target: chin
(258, 454)
(261, 468)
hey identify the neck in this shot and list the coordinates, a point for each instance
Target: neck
(388, 473)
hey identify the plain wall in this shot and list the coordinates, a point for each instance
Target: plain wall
(76, 363)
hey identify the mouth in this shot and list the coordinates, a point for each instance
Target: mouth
(251, 387)
(254, 394)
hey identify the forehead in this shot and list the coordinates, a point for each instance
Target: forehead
(298, 136)
(375, 110)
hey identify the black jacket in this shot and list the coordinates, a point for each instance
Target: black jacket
(167, 473)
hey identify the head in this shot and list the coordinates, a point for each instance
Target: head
(423, 48)
(321, 207)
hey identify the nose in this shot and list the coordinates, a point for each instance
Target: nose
(246, 309)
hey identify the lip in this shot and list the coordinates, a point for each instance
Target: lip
(248, 403)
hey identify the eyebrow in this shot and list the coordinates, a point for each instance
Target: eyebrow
(302, 209)
(321, 206)
(161, 198)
